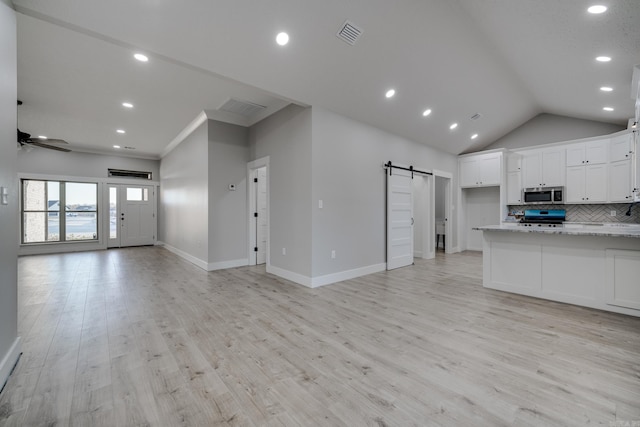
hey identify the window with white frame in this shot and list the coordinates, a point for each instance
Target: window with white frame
(59, 211)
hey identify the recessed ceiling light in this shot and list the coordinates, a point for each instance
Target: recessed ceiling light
(474, 136)
(282, 39)
(606, 89)
(42, 137)
(603, 58)
(607, 108)
(598, 8)
(127, 105)
(140, 57)
(120, 131)
(390, 93)
(426, 112)
(116, 146)
(453, 126)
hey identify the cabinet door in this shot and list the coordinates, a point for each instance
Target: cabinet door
(469, 172)
(575, 155)
(574, 190)
(621, 147)
(597, 152)
(620, 181)
(514, 162)
(514, 188)
(623, 270)
(595, 183)
(553, 167)
(531, 170)
(490, 169)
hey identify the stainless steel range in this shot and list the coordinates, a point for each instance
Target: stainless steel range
(544, 217)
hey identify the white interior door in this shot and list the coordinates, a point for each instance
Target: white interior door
(261, 220)
(399, 218)
(132, 219)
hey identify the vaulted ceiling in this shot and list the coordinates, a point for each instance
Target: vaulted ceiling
(502, 59)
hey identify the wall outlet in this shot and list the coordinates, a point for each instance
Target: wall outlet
(320, 204)
(284, 251)
(613, 213)
(333, 254)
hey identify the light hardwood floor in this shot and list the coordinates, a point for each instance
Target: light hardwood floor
(140, 337)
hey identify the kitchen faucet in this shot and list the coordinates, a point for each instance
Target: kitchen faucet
(631, 206)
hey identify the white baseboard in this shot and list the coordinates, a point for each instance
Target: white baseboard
(9, 361)
(290, 275)
(327, 279)
(346, 275)
(227, 264)
(182, 254)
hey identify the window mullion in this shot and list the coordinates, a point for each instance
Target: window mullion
(62, 223)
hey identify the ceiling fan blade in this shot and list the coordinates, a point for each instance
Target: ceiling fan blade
(45, 141)
(53, 141)
(51, 147)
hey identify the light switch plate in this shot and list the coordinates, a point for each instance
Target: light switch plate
(4, 195)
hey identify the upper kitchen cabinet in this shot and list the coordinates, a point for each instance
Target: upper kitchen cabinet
(480, 170)
(544, 168)
(588, 153)
(621, 147)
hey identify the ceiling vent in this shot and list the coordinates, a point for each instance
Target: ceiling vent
(476, 116)
(349, 33)
(129, 174)
(243, 108)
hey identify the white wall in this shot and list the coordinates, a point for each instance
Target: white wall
(482, 208)
(184, 213)
(549, 128)
(286, 138)
(9, 342)
(228, 158)
(349, 178)
(49, 162)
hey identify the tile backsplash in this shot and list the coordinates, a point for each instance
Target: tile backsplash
(592, 213)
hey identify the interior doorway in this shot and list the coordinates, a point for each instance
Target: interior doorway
(441, 212)
(132, 215)
(258, 203)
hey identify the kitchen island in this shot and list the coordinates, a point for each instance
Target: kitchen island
(591, 265)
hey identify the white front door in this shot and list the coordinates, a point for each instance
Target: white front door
(261, 220)
(132, 219)
(399, 218)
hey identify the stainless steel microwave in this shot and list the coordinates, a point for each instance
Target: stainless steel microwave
(543, 195)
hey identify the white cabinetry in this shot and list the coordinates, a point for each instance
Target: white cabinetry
(514, 188)
(623, 270)
(621, 147)
(544, 168)
(514, 179)
(480, 170)
(588, 153)
(586, 184)
(620, 181)
(621, 168)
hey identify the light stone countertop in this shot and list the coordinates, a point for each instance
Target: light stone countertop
(568, 228)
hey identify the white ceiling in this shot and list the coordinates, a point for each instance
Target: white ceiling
(507, 60)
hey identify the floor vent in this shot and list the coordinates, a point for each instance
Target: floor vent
(243, 108)
(129, 174)
(349, 33)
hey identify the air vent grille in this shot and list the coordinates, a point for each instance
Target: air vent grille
(349, 33)
(129, 174)
(243, 108)
(476, 116)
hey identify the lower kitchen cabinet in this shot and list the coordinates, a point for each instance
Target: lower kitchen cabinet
(623, 271)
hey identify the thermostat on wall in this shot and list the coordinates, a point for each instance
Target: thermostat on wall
(232, 187)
